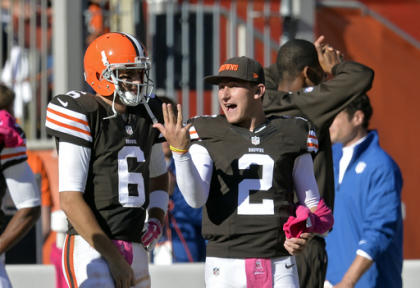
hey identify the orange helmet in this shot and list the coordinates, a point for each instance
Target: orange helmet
(112, 52)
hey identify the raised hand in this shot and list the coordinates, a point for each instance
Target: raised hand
(328, 57)
(173, 130)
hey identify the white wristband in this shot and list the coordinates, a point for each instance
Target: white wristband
(159, 199)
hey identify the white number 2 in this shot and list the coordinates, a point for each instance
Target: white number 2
(125, 178)
(263, 184)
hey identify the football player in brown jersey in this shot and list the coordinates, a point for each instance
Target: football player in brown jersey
(111, 166)
(243, 169)
(296, 86)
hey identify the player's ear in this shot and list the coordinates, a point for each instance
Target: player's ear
(358, 118)
(260, 90)
(305, 71)
(311, 74)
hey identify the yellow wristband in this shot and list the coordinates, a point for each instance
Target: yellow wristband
(172, 148)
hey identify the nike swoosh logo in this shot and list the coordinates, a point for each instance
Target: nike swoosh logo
(64, 103)
(289, 266)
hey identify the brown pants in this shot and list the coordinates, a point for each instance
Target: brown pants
(312, 264)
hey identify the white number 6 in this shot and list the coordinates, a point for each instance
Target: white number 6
(125, 177)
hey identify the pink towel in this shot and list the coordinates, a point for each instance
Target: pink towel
(55, 258)
(318, 222)
(126, 249)
(8, 133)
(258, 273)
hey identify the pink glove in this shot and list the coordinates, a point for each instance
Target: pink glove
(151, 233)
(318, 222)
(8, 133)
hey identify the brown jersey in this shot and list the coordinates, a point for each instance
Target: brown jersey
(320, 104)
(251, 190)
(117, 181)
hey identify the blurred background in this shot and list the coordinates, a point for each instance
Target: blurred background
(43, 43)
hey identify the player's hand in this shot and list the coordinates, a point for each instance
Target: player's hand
(173, 129)
(328, 57)
(151, 233)
(121, 272)
(296, 245)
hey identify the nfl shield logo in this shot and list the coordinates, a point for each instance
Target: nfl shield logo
(216, 271)
(129, 130)
(258, 265)
(255, 140)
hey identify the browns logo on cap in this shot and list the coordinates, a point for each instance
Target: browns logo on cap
(238, 68)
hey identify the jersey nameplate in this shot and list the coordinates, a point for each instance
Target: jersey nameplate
(253, 150)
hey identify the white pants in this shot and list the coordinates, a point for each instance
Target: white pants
(84, 267)
(4, 279)
(230, 273)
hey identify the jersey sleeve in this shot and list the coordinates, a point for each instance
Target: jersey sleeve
(207, 127)
(12, 141)
(305, 135)
(321, 103)
(194, 137)
(194, 134)
(67, 120)
(312, 141)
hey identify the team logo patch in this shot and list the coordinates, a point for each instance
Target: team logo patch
(255, 140)
(64, 103)
(308, 89)
(360, 167)
(129, 130)
(216, 271)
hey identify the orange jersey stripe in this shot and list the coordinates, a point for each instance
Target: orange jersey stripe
(68, 117)
(72, 272)
(68, 261)
(12, 155)
(69, 126)
(65, 260)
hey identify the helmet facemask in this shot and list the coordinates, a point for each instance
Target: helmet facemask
(144, 89)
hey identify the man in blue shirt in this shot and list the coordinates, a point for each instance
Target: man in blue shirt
(365, 245)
